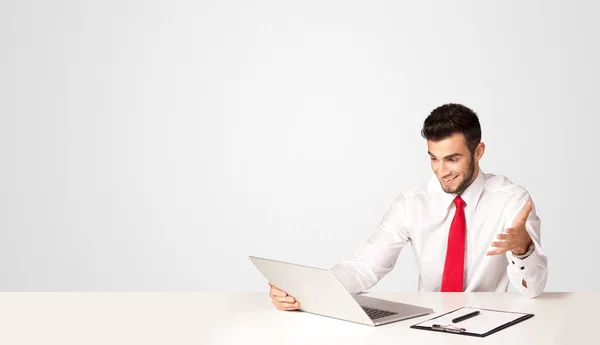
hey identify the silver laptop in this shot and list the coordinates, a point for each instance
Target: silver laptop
(320, 292)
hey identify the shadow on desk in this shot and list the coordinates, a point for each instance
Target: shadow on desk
(555, 295)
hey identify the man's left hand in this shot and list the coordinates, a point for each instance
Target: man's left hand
(516, 237)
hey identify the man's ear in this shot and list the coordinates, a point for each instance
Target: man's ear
(479, 151)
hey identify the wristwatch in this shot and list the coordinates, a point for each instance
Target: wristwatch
(525, 255)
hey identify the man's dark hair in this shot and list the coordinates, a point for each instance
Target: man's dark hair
(448, 119)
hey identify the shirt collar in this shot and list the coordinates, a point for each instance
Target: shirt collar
(470, 195)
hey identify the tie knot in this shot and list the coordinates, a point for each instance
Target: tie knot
(459, 202)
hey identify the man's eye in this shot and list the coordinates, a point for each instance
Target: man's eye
(453, 160)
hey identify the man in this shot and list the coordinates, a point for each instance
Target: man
(469, 231)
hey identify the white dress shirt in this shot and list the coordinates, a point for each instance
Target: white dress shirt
(422, 216)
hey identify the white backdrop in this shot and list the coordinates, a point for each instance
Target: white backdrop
(154, 145)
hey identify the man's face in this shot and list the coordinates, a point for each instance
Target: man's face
(453, 163)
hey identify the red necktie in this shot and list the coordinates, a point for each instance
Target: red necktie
(452, 280)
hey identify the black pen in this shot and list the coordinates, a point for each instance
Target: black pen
(466, 316)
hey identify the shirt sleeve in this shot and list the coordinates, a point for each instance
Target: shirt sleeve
(529, 275)
(378, 257)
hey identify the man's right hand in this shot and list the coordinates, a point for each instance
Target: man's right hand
(281, 300)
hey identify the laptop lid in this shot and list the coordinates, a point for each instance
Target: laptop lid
(317, 290)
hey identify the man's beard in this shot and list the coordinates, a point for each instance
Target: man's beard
(467, 181)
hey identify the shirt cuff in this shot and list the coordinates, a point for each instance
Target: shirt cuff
(526, 267)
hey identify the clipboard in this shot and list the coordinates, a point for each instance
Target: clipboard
(491, 321)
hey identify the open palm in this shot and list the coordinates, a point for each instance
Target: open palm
(516, 237)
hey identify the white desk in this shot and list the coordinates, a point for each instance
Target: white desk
(250, 318)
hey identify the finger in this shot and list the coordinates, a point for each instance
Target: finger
(502, 244)
(522, 216)
(280, 305)
(286, 306)
(510, 231)
(288, 299)
(291, 306)
(496, 251)
(506, 237)
(276, 292)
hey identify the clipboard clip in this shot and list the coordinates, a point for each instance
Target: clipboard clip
(448, 328)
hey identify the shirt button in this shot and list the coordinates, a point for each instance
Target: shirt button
(522, 267)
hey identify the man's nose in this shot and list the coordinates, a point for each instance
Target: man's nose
(443, 169)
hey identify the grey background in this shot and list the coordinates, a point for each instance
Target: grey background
(155, 145)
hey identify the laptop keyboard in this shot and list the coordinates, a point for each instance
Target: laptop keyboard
(377, 313)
